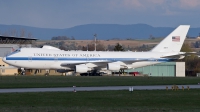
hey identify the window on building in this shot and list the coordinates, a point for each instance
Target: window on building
(3, 71)
(29, 70)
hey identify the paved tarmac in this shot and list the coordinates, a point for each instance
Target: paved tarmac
(72, 89)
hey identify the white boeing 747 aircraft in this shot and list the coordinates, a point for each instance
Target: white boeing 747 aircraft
(49, 57)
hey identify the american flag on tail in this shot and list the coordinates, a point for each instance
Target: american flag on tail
(176, 38)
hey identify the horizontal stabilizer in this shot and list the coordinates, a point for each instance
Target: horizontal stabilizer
(179, 56)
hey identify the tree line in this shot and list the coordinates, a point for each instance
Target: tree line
(62, 38)
(192, 62)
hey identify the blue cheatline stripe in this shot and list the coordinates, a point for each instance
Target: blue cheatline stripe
(83, 59)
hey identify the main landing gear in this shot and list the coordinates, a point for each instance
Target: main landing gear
(21, 71)
(92, 73)
(121, 72)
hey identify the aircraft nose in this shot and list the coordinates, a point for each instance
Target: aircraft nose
(4, 59)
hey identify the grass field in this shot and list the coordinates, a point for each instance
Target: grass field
(69, 81)
(112, 101)
(100, 101)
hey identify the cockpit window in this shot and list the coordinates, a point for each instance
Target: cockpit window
(16, 51)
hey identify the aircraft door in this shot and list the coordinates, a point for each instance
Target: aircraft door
(30, 59)
(88, 60)
(56, 58)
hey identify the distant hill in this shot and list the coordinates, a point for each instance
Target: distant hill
(103, 31)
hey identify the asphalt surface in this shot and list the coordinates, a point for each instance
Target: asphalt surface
(76, 89)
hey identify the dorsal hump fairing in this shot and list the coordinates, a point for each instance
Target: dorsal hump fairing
(174, 41)
(49, 47)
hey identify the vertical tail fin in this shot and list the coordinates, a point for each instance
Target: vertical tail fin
(174, 41)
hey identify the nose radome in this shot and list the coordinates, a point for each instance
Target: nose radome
(4, 59)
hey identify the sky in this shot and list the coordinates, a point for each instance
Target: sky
(69, 13)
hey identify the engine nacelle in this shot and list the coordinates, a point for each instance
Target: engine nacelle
(113, 66)
(81, 69)
(62, 70)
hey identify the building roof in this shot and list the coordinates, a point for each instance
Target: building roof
(16, 40)
(13, 37)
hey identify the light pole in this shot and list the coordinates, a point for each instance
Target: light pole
(95, 41)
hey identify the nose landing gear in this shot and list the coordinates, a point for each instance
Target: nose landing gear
(21, 71)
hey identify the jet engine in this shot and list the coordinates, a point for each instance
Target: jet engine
(81, 69)
(62, 70)
(113, 66)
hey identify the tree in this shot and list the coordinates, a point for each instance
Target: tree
(186, 48)
(62, 47)
(192, 62)
(72, 38)
(151, 37)
(22, 33)
(91, 46)
(100, 47)
(29, 35)
(118, 47)
(61, 38)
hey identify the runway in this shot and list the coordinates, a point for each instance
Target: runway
(72, 89)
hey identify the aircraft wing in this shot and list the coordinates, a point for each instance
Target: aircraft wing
(101, 63)
(133, 61)
(179, 56)
(174, 57)
(71, 65)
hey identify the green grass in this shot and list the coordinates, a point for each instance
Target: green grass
(69, 81)
(114, 101)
